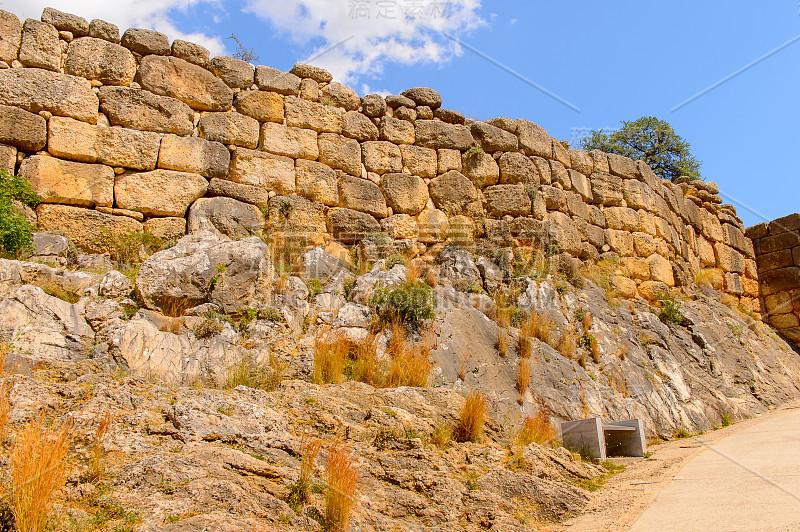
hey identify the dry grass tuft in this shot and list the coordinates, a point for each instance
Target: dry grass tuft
(97, 462)
(413, 271)
(431, 278)
(593, 347)
(537, 326)
(568, 343)
(442, 435)
(502, 343)
(330, 357)
(523, 376)
(5, 392)
(368, 367)
(342, 486)
(175, 307)
(587, 322)
(411, 365)
(536, 430)
(472, 417)
(38, 470)
(623, 350)
(462, 367)
(309, 449)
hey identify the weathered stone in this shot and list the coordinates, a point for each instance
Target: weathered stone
(358, 126)
(396, 131)
(235, 73)
(160, 192)
(382, 157)
(404, 193)
(606, 189)
(40, 46)
(533, 139)
(8, 159)
(661, 269)
(424, 96)
(433, 226)
(289, 141)
(502, 200)
(581, 185)
(106, 62)
(361, 195)
(57, 181)
(341, 96)
(563, 232)
(622, 166)
(10, 35)
(191, 84)
(317, 182)
(622, 218)
(400, 226)
(559, 174)
(728, 260)
(340, 152)
(710, 226)
(554, 198)
(262, 105)
(770, 244)
(191, 52)
(145, 42)
(396, 101)
(374, 105)
(350, 226)
(777, 259)
(26, 131)
(450, 116)
(297, 221)
(480, 168)
(621, 242)
(142, 110)
(257, 168)
(204, 267)
(272, 79)
(452, 192)
(193, 154)
(312, 115)
(779, 280)
(783, 224)
(560, 153)
(420, 161)
(86, 228)
(226, 216)
(448, 160)
(580, 161)
(246, 193)
(320, 75)
(114, 146)
(638, 195)
(230, 128)
(435, 134)
(577, 207)
(517, 168)
(309, 90)
(66, 21)
(492, 138)
(644, 244)
(100, 29)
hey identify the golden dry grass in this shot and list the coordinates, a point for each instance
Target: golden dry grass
(537, 326)
(594, 348)
(367, 367)
(38, 470)
(587, 322)
(309, 449)
(568, 344)
(342, 486)
(410, 361)
(330, 357)
(97, 460)
(5, 391)
(523, 375)
(472, 417)
(623, 350)
(536, 430)
(502, 343)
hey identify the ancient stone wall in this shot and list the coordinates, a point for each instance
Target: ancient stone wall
(777, 247)
(137, 133)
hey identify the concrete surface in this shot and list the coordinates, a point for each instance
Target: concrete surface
(749, 481)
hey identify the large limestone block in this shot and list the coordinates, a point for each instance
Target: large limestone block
(74, 24)
(230, 128)
(318, 74)
(449, 160)
(274, 80)
(10, 34)
(246, 193)
(580, 161)
(297, 218)
(559, 175)
(728, 259)
(420, 161)
(101, 60)
(621, 242)
(100, 29)
(57, 181)
(397, 131)
(160, 192)
(492, 138)
(261, 105)
(638, 195)
(350, 226)
(452, 192)
(560, 153)
(206, 268)
(257, 168)
(289, 141)
(563, 232)
(779, 280)
(361, 195)
(114, 146)
(517, 168)
(400, 227)
(581, 184)
(317, 181)
(22, 129)
(191, 52)
(382, 157)
(145, 42)
(622, 166)
(622, 218)
(226, 217)
(606, 189)
(502, 200)
(168, 229)
(480, 168)
(40, 47)
(341, 96)
(193, 154)
(533, 139)
(711, 228)
(424, 96)
(86, 228)
(661, 269)
(436, 134)
(37, 90)
(434, 226)
(8, 159)
(358, 126)
(554, 198)
(145, 111)
(312, 115)
(234, 72)
(191, 84)
(340, 152)
(404, 193)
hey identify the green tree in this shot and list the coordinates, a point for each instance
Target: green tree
(15, 231)
(654, 142)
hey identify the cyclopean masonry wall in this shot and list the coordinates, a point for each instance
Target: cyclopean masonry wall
(134, 134)
(777, 246)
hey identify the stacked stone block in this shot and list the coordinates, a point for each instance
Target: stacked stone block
(777, 246)
(134, 133)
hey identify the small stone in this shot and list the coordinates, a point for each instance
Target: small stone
(320, 75)
(100, 29)
(191, 52)
(424, 96)
(145, 42)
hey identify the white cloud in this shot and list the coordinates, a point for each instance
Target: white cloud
(360, 36)
(153, 14)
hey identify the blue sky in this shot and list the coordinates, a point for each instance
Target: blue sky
(615, 60)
